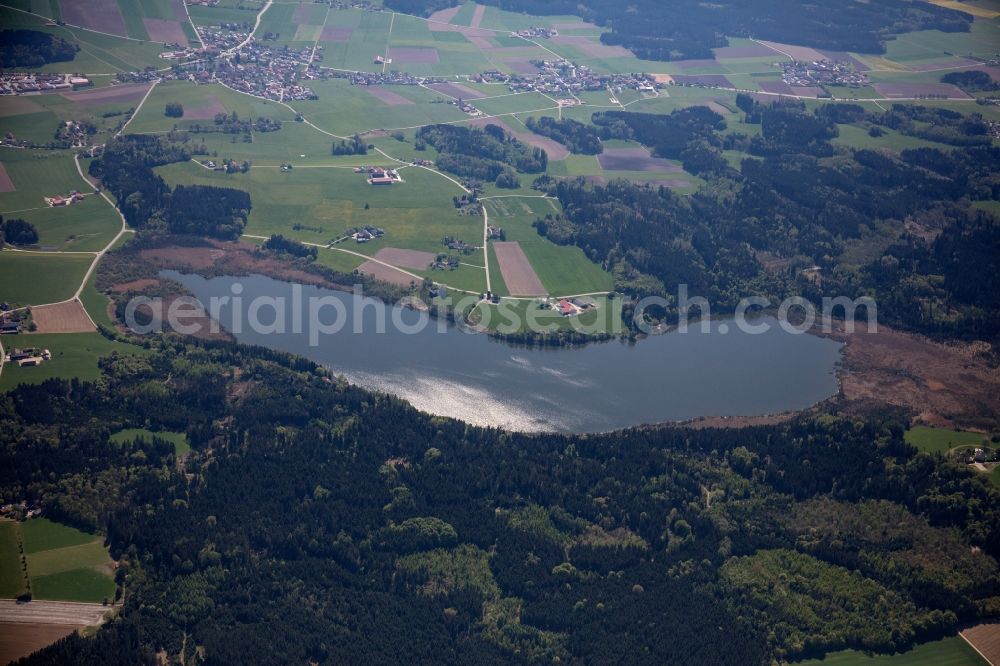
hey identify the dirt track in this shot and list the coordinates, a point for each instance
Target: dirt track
(65, 613)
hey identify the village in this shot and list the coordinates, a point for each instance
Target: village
(822, 73)
(565, 77)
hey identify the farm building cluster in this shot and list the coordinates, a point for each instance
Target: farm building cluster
(366, 233)
(457, 244)
(380, 175)
(17, 83)
(536, 33)
(571, 307)
(58, 201)
(28, 356)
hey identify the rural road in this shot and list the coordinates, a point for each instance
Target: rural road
(256, 25)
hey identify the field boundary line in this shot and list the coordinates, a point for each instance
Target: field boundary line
(138, 108)
(196, 33)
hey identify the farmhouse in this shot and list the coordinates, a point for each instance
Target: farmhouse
(10, 327)
(565, 308)
(29, 354)
(383, 177)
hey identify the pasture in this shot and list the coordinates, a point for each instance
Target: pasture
(66, 564)
(178, 439)
(12, 581)
(201, 103)
(85, 226)
(940, 440)
(344, 109)
(325, 202)
(562, 269)
(36, 175)
(99, 53)
(36, 117)
(74, 355)
(952, 651)
(37, 278)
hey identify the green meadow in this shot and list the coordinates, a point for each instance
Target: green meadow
(178, 439)
(74, 355)
(563, 270)
(66, 564)
(195, 98)
(940, 440)
(953, 651)
(344, 110)
(99, 53)
(37, 278)
(36, 175)
(416, 214)
(12, 581)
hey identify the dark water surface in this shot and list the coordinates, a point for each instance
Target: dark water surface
(597, 387)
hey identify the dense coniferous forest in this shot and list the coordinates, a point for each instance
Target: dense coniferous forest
(683, 29)
(721, 242)
(31, 48)
(314, 521)
(481, 154)
(126, 169)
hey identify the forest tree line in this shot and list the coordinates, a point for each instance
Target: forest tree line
(807, 202)
(314, 521)
(125, 168)
(688, 29)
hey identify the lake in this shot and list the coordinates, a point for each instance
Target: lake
(594, 388)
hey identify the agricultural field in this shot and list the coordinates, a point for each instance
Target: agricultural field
(74, 355)
(416, 214)
(563, 270)
(940, 440)
(321, 197)
(65, 564)
(37, 117)
(178, 439)
(344, 110)
(36, 278)
(951, 651)
(84, 226)
(35, 175)
(201, 104)
(101, 51)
